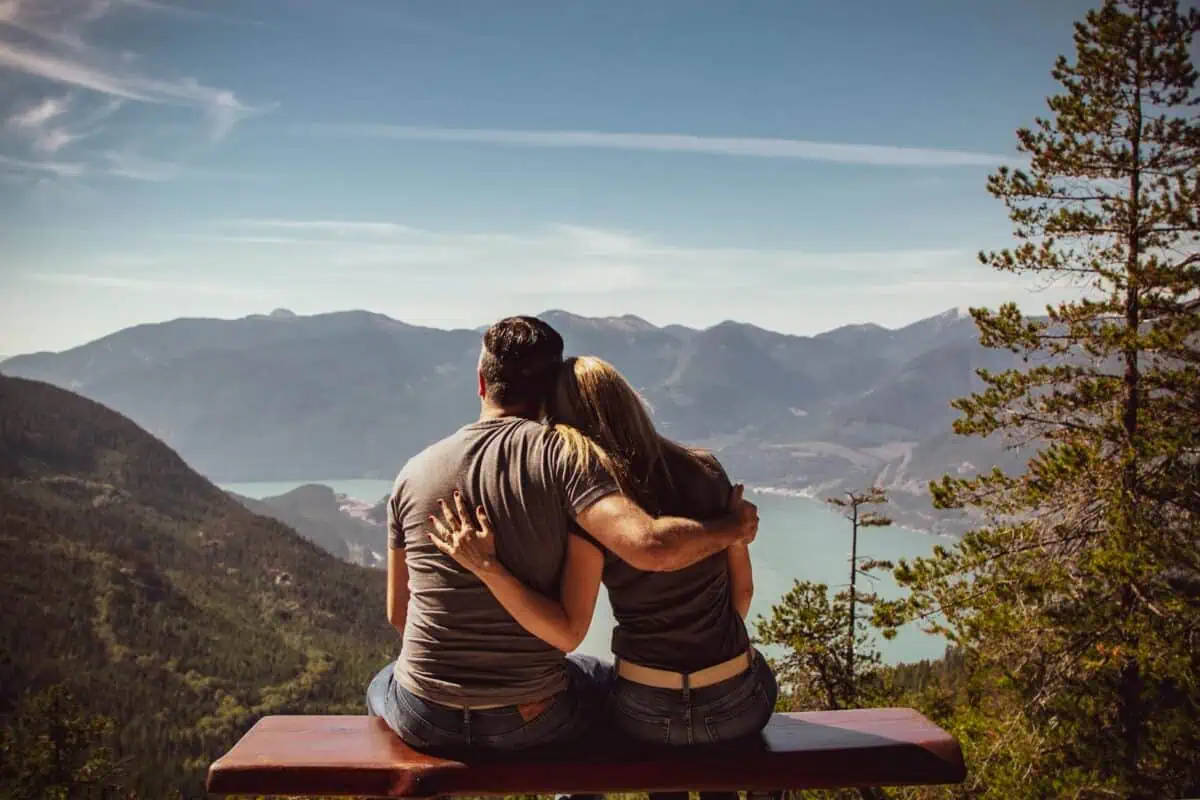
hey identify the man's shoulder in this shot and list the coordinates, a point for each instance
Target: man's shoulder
(455, 446)
(533, 437)
(431, 456)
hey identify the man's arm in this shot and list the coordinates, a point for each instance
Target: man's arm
(397, 589)
(665, 544)
(397, 567)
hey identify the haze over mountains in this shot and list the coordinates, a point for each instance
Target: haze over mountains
(354, 394)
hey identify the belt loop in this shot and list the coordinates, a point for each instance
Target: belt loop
(687, 687)
(467, 724)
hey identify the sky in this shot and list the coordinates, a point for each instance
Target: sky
(796, 164)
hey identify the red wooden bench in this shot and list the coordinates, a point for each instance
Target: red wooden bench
(360, 756)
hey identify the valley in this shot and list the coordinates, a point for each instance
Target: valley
(283, 397)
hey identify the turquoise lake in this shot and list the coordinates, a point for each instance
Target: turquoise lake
(798, 539)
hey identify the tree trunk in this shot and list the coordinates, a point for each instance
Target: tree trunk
(853, 573)
(1130, 684)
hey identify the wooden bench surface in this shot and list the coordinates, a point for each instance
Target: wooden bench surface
(351, 755)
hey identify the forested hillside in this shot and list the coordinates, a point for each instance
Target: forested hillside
(159, 601)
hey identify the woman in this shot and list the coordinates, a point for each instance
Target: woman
(686, 671)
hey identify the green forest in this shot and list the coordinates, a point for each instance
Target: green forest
(149, 619)
(1073, 607)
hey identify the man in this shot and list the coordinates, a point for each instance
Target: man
(469, 676)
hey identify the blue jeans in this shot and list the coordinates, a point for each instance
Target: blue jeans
(728, 711)
(443, 730)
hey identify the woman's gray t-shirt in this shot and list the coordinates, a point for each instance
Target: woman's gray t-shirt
(682, 621)
(460, 646)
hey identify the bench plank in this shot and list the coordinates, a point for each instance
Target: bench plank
(361, 756)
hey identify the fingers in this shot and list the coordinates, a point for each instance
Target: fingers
(452, 522)
(441, 536)
(464, 516)
(736, 497)
(751, 514)
(485, 524)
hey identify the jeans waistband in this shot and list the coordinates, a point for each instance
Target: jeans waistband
(524, 709)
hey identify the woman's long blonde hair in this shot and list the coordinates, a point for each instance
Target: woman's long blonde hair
(602, 418)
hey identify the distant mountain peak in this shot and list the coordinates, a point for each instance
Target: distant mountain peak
(282, 313)
(627, 322)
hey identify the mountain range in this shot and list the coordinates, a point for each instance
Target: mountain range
(337, 524)
(157, 601)
(354, 394)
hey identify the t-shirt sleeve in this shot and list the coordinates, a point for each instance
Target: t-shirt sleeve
(395, 517)
(723, 481)
(579, 487)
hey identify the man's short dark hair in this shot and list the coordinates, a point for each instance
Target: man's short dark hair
(520, 362)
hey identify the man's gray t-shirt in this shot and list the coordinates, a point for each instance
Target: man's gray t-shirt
(460, 646)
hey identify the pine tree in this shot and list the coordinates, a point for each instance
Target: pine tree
(51, 749)
(830, 660)
(815, 633)
(1077, 597)
(850, 505)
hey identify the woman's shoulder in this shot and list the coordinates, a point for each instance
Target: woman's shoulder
(708, 463)
(700, 479)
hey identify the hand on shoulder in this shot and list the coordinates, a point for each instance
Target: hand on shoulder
(746, 514)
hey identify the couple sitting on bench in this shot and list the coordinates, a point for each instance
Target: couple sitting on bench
(499, 537)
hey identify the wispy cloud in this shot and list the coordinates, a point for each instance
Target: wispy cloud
(44, 40)
(35, 123)
(187, 12)
(39, 114)
(345, 228)
(572, 258)
(221, 106)
(123, 164)
(149, 285)
(54, 139)
(62, 169)
(131, 164)
(452, 278)
(839, 152)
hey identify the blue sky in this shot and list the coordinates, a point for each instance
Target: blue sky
(799, 165)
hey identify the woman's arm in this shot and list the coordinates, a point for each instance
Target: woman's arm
(397, 589)
(559, 624)
(741, 578)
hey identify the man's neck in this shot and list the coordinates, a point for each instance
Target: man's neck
(488, 410)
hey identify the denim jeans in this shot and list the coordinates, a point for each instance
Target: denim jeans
(728, 711)
(433, 728)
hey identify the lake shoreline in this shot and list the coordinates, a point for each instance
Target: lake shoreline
(806, 540)
(810, 493)
(360, 506)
